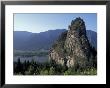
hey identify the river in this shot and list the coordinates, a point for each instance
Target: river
(40, 59)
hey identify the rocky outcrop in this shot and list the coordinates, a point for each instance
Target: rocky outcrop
(72, 48)
(57, 50)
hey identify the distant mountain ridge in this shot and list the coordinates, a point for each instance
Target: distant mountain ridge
(33, 41)
(92, 36)
(24, 40)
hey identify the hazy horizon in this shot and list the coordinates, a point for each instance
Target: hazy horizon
(36, 22)
(47, 30)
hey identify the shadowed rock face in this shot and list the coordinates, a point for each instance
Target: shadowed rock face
(72, 48)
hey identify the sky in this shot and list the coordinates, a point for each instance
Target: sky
(40, 22)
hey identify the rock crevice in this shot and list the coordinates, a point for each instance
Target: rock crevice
(72, 48)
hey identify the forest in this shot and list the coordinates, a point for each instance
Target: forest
(70, 52)
(49, 68)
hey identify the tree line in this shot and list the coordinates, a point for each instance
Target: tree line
(49, 68)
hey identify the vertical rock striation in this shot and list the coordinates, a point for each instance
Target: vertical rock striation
(72, 48)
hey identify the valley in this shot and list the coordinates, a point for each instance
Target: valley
(56, 52)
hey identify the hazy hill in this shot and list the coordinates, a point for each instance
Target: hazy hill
(92, 36)
(32, 41)
(24, 40)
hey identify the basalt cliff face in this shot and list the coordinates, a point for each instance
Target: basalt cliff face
(72, 49)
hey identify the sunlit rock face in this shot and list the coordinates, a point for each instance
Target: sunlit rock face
(72, 48)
